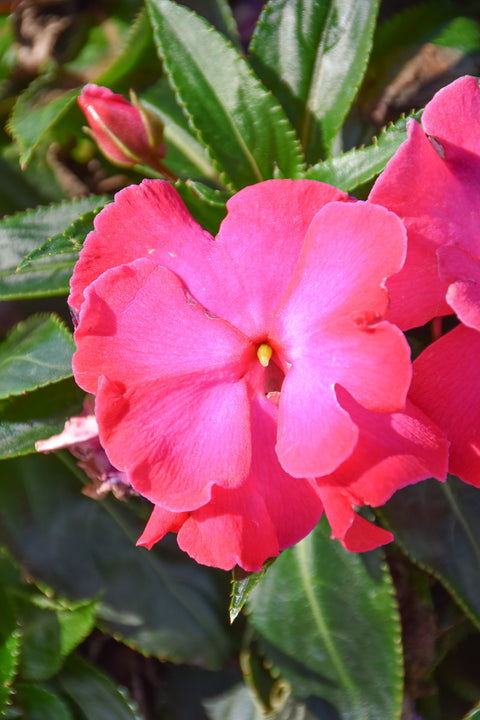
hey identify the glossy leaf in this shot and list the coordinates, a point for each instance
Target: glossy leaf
(327, 621)
(37, 352)
(313, 54)
(35, 114)
(96, 696)
(24, 233)
(244, 128)
(157, 601)
(437, 524)
(186, 156)
(39, 703)
(242, 586)
(24, 419)
(356, 167)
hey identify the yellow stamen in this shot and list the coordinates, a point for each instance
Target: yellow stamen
(264, 353)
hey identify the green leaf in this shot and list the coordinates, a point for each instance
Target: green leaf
(186, 156)
(159, 602)
(37, 352)
(40, 656)
(38, 703)
(239, 704)
(24, 419)
(207, 206)
(313, 54)
(24, 233)
(242, 587)
(474, 714)
(35, 114)
(76, 623)
(96, 696)
(240, 123)
(343, 603)
(356, 167)
(437, 524)
(9, 647)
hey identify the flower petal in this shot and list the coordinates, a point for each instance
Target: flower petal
(462, 269)
(262, 236)
(147, 220)
(445, 386)
(433, 185)
(328, 331)
(172, 405)
(161, 522)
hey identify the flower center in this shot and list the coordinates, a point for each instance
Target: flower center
(264, 353)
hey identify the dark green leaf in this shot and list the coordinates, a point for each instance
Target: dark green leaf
(158, 601)
(40, 656)
(35, 114)
(207, 206)
(24, 419)
(23, 233)
(96, 696)
(312, 54)
(474, 714)
(9, 646)
(356, 167)
(186, 156)
(237, 119)
(437, 524)
(242, 587)
(38, 703)
(343, 604)
(37, 352)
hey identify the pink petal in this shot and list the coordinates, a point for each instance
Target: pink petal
(161, 522)
(446, 387)
(328, 330)
(462, 269)
(354, 532)
(147, 220)
(393, 451)
(435, 196)
(452, 116)
(172, 404)
(246, 526)
(262, 236)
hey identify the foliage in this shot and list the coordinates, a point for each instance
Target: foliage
(90, 625)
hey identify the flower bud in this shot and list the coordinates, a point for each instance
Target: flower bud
(124, 131)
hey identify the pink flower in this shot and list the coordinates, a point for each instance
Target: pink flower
(125, 133)
(243, 383)
(433, 184)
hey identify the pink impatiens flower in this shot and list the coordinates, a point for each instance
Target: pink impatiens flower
(433, 183)
(237, 378)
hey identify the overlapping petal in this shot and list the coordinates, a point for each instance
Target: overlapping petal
(433, 184)
(328, 330)
(462, 270)
(446, 387)
(164, 371)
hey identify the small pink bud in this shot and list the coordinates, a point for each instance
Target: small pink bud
(124, 131)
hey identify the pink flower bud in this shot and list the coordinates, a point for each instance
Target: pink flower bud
(124, 131)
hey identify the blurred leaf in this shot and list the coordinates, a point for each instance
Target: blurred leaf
(37, 352)
(186, 156)
(95, 695)
(76, 623)
(36, 113)
(23, 233)
(69, 242)
(40, 655)
(207, 206)
(313, 54)
(38, 703)
(24, 419)
(328, 622)
(437, 524)
(236, 118)
(159, 602)
(474, 714)
(9, 646)
(356, 167)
